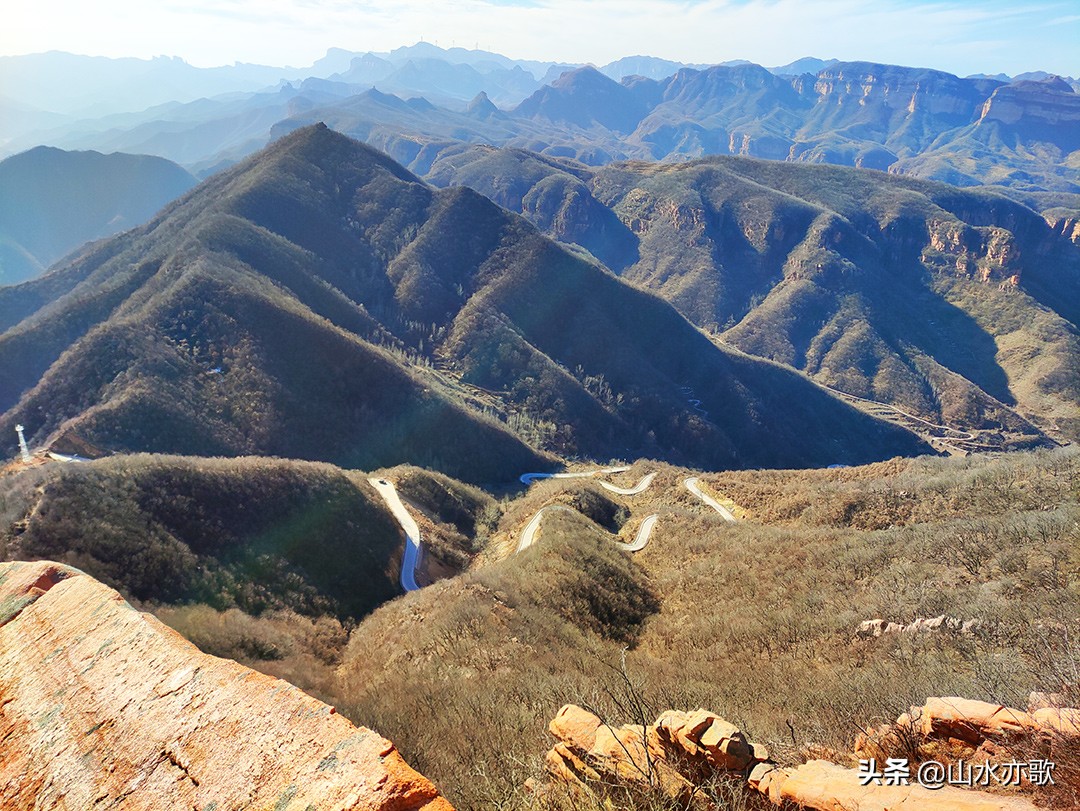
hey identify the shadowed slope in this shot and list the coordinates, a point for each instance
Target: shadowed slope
(52, 201)
(955, 305)
(318, 301)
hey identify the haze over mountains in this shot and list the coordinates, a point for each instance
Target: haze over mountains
(514, 267)
(907, 120)
(52, 201)
(63, 84)
(919, 122)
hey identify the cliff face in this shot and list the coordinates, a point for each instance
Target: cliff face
(101, 704)
(1051, 103)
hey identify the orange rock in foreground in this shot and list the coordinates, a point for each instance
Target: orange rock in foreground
(103, 706)
(683, 751)
(971, 720)
(820, 784)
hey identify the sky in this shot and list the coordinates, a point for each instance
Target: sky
(959, 36)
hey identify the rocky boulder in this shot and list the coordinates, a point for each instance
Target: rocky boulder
(683, 753)
(822, 785)
(103, 706)
(968, 720)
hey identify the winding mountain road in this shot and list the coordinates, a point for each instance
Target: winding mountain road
(528, 535)
(640, 487)
(725, 513)
(411, 559)
(642, 537)
(529, 478)
(694, 402)
(412, 532)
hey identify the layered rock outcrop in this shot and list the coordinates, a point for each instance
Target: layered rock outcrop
(672, 756)
(971, 722)
(682, 753)
(103, 706)
(1049, 103)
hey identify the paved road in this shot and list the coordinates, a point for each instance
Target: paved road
(63, 457)
(692, 486)
(528, 535)
(412, 532)
(642, 538)
(529, 478)
(694, 402)
(411, 557)
(640, 487)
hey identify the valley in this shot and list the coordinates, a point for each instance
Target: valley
(648, 434)
(760, 616)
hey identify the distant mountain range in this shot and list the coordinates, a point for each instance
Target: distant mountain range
(61, 84)
(982, 130)
(320, 302)
(906, 121)
(52, 201)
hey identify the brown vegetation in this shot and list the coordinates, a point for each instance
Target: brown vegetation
(757, 620)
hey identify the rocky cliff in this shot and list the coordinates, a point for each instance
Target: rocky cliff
(101, 705)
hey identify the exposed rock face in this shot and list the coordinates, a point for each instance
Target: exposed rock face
(965, 719)
(820, 784)
(1049, 103)
(683, 751)
(103, 706)
(672, 756)
(903, 89)
(978, 252)
(973, 723)
(878, 627)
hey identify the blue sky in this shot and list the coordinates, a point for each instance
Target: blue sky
(960, 36)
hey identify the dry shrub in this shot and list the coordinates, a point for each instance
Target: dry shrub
(302, 650)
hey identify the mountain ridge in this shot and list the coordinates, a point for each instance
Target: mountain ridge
(52, 201)
(809, 265)
(917, 121)
(352, 251)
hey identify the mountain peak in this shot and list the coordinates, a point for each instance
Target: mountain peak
(583, 77)
(482, 106)
(278, 282)
(586, 97)
(326, 148)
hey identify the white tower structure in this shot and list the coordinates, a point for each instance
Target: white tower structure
(22, 444)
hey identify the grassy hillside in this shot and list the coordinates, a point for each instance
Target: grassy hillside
(756, 621)
(956, 306)
(261, 561)
(253, 534)
(320, 302)
(267, 561)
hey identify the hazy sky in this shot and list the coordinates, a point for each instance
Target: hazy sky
(960, 36)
